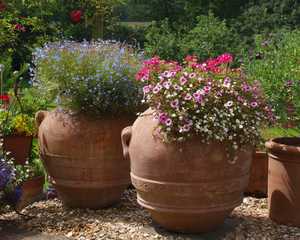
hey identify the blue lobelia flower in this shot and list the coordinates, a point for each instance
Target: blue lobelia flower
(5, 174)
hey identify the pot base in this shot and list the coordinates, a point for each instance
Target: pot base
(91, 198)
(189, 223)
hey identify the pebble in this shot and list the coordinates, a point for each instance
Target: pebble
(129, 221)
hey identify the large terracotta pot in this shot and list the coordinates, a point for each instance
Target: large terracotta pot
(83, 157)
(32, 190)
(284, 180)
(188, 187)
(19, 146)
(258, 182)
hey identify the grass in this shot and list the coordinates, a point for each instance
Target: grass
(280, 132)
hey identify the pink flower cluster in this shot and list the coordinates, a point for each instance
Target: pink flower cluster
(209, 99)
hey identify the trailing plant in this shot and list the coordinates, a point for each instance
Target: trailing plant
(96, 78)
(208, 99)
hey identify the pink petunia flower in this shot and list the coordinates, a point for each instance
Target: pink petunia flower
(188, 97)
(175, 103)
(183, 80)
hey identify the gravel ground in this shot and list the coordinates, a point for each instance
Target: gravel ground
(129, 221)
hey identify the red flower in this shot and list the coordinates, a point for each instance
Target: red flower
(20, 27)
(2, 6)
(75, 16)
(4, 98)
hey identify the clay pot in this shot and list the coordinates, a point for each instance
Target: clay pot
(83, 157)
(32, 190)
(19, 146)
(284, 180)
(187, 187)
(258, 182)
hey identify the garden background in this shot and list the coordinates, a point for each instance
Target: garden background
(262, 35)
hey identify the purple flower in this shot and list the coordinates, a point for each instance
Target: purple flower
(186, 128)
(227, 82)
(176, 87)
(167, 85)
(246, 87)
(240, 99)
(219, 94)
(254, 104)
(175, 103)
(163, 118)
(198, 96)
(5, 174)
(188, 97)
(173, 74)
(228, 104)
(189, 122)
(207, 89)
(289, 83)
(183, 80)
(192, 75)
(147, 89)
(168, 122)
(157, 88)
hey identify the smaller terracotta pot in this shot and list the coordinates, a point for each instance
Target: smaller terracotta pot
(258, 182)
(284, 180)
(32, 190)
(19, 146)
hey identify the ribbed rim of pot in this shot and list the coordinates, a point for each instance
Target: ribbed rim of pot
(285, 145)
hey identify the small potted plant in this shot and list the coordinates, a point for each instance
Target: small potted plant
(18, 123)
(32, 179)
(10, 191)
(93, 86)
(18, 130)
(191, 150)
(20, 185)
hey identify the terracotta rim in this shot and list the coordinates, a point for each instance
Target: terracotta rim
(289, 145)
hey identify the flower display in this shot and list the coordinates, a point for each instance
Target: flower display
(91, 77)
(208, 99)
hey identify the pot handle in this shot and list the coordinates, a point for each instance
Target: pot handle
(40, 116)
(125, 138)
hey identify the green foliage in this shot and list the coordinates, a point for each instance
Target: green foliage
(209, 38)
(266, 16)
(276, 132)
(162, 41)
(19, 116)
(277, 67)
(131, 33)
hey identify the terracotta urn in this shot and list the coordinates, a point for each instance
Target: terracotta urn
(83, 157)
(258, 182)
(19, 147)
(189, 187)
(284, 180)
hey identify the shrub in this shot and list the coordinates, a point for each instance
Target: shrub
(208, 38)
(207, 99)
(162, 41)
(276, 65)
(131, 33)
(95, 78)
